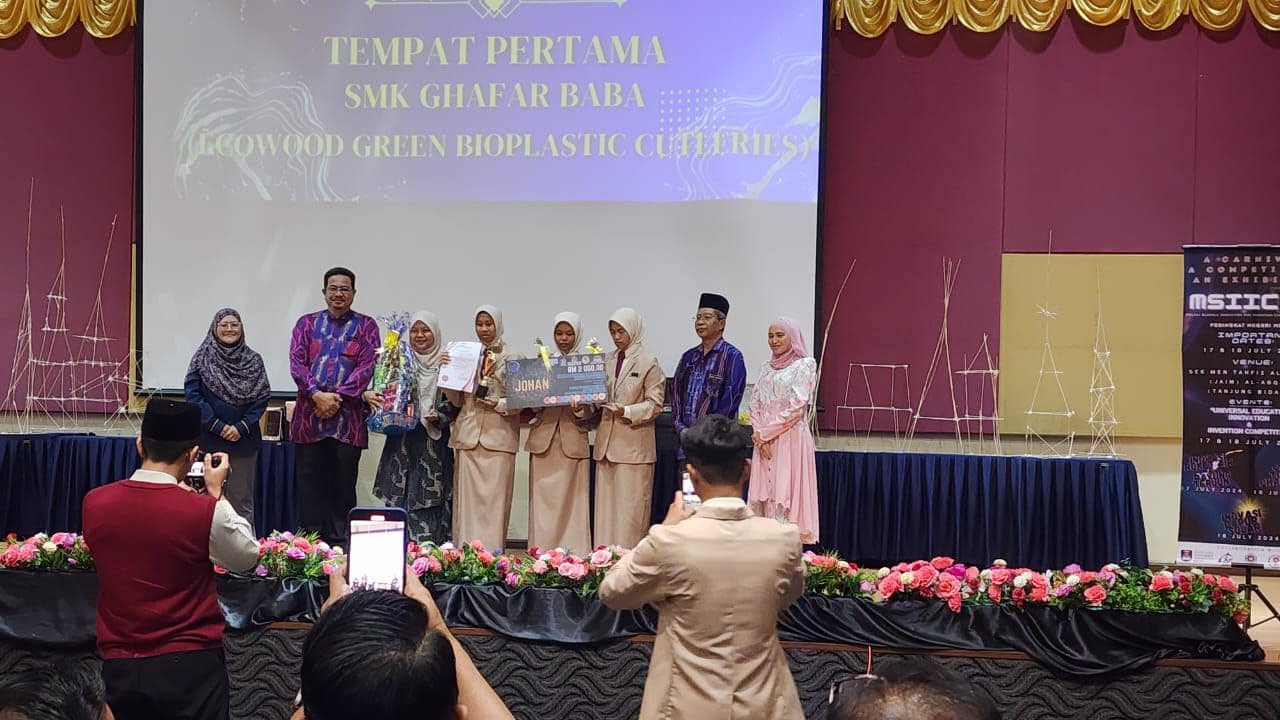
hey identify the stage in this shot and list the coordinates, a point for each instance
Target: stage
(875, 507)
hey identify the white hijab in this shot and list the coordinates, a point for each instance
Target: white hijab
(630, 321)
(428, 362)
(575, 321)
(496, 314)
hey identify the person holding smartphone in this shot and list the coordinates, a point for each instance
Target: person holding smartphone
(155, 542)
(380, 654)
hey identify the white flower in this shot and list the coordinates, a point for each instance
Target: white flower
(1073, 580)
(1166, 573)
(842, 565)
(1111, 567)
(447, 546)
(1000, 563)
(322, 546)
(985, 574)
(1197, 572)
(1022, 580)
(49, 547)
(882, 573)
(40, 537)
(906, 578)
(545, 557)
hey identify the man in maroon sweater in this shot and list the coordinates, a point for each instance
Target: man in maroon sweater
(155, 542)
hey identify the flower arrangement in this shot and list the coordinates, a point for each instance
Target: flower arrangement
(286, 555)
(558, 568)
(60, 551)
(942, 579)
(471, 564)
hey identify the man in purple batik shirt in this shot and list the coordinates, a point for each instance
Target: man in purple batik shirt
(711, 377)
(331, 358)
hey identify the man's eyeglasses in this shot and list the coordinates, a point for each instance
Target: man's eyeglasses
(334, 290)
(705, 318)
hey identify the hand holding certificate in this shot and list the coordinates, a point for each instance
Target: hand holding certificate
(460, 372)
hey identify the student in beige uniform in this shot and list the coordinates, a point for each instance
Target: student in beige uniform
(625, 452)
(485, 439)
(559, 463)
(719, 579)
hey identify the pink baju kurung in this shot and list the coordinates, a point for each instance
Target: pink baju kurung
(785, 485)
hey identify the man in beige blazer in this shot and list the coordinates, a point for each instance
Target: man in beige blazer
(719, 578)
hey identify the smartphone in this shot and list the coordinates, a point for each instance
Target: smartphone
(195, 475)
(376, 558)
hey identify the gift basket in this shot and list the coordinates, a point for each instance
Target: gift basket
(394, 371)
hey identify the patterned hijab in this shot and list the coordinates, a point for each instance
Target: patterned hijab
(232, 372)
(797, 351)
(575, 321)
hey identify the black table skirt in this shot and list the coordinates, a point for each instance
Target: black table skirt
(56, 610)
(874, 508)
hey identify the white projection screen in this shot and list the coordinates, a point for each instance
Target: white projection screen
(539, 156)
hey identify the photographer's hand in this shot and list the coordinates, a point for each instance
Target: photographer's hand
(216, 477)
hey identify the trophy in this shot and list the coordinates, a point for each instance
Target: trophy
(488, 365)
(593, 347)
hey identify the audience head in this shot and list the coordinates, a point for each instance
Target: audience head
(170, 429)
(913, 689)
(372, 655)
(54, 691)
(717, 449)
(339, 289)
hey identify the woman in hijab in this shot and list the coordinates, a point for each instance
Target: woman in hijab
(485, 439)
(228, 382)
(559, 463)
(416, 469)
(625, 452)
(784, 475)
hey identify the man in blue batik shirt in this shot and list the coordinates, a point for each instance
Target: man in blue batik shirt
(711, 377)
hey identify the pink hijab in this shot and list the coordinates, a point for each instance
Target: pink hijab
(797, 351)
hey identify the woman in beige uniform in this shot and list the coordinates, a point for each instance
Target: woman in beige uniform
(485, 439)
(559, 463)
(625, 451)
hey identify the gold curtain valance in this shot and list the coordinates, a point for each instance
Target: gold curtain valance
(50, 18)
(871, 18)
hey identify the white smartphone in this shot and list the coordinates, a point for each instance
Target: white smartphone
(376, 558)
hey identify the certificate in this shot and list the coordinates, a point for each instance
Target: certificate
(460, 373)
(576, 378)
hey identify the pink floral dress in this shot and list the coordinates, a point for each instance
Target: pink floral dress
(785, 485)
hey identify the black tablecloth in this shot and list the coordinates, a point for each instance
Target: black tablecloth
(57, 610)
(874, 508)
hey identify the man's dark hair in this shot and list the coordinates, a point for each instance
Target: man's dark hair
(718, 448)
(911, 689)
(340, 271)
(371, 655)
(68, 690)
(165, 451)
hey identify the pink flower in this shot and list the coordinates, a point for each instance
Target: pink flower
(328, 568)
(1039, 594)
(1184, 585)
(503, 564)
(948, 586)
(918, 564)
(539, 567)
(1210, 580)
(953, 602)
(972, 577)
(260, 571)
(512, 580)
(572, 570)
(419, 566)
(995, 593)
(535, 551)
(433, 565)
(1000, 576)
(477, 545)
(1227, 584)
(942, 563)
(73, 561)
(1072, 569)
(890, 585)
(485, 557)
(1096, 594)
(451, 555)
(294, 553)
(1019, 596)
(868, 586)
(924, 579)
(557, 558)
(958, 571)
(286, 536)
(1088, 577)
(1062, 591)
(901, 567)
(303, 544)
(27, 552)
(601, 558)
(1160, 583)
(1038, 581)
(10, 557)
